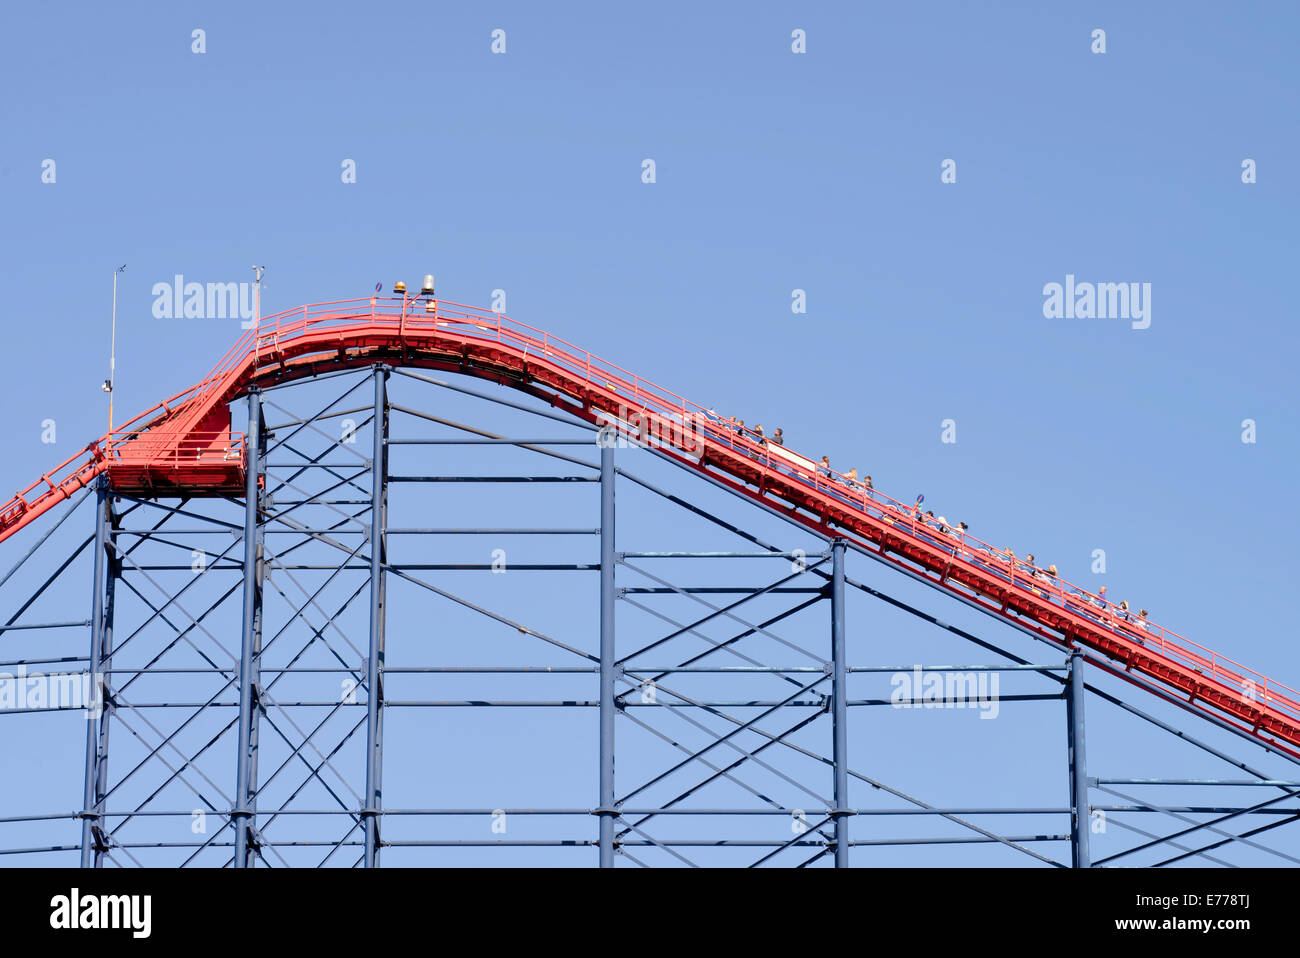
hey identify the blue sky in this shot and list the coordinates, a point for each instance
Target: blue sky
(775, 172)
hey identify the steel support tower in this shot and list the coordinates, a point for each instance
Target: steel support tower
(415, 634)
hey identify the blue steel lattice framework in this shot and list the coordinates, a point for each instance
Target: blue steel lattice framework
(259, 701)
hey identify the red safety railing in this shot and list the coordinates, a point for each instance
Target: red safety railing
(163, 448)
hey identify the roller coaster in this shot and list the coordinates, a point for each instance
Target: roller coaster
(188, 448)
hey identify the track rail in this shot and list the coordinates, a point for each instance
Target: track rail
(184, 445)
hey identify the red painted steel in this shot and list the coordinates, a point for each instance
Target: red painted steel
(185, 444)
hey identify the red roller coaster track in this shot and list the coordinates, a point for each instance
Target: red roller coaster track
(185, 445)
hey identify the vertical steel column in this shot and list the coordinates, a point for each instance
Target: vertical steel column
(1080, 854)
(606, 810)
(375, 662)
(106, 568)
(839, 702)
(251, 641)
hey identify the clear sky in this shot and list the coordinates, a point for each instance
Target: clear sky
(774, 172)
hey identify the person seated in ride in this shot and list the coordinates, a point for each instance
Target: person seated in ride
(851, 485)
(955, 534)
(1029, 567)
(924, 521)
(1007, 558)
(778, 436)
(1101, 603)
(758, 431)
(1131, 622)
(824, 467)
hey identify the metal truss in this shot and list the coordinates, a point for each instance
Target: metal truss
(270, 665)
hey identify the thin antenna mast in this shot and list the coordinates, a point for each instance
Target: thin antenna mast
(112, 357)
